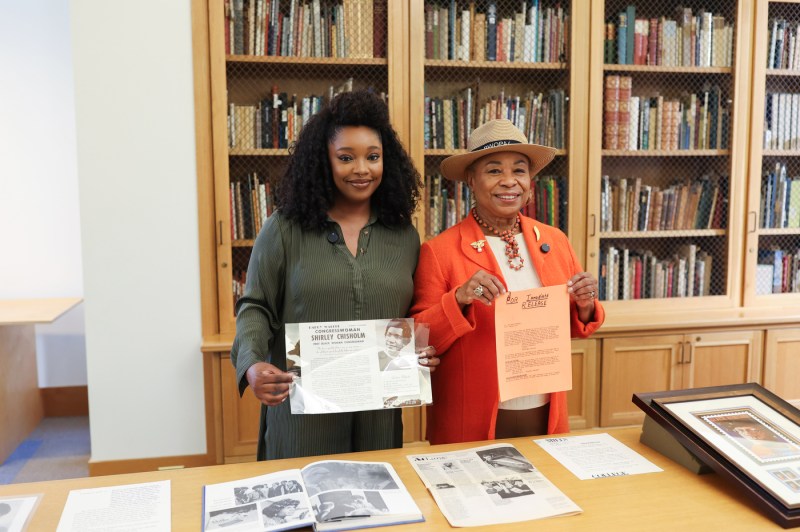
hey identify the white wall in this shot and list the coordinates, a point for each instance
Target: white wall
(138, 205)
(39, 218)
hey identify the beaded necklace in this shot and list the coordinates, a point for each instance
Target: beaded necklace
(507, 236)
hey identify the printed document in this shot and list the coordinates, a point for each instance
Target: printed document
(355, 365)
(597, 456)
(489, 485)
(15, 512)
(141, 507)
(532, 336)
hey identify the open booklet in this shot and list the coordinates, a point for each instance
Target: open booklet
(329, 495)
(351, 366)
(489, 485)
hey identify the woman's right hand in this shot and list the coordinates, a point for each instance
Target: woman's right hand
(270, 385)
(482, 286)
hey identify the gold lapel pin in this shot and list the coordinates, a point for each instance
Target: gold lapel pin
(536, 232)
(478, 245)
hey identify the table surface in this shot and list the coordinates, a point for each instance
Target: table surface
(31, 311)
(675, 499)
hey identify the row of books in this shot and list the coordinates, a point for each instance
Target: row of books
(691, 39)
(540, 116)
(627, 274)
(629, 205)
(306, 28)
(458, 31)
(688, 122)
(784, 46)
(275, 121)
(449, 202)
(780, 199)
(777, 271)
(782, 121)
(251, 202)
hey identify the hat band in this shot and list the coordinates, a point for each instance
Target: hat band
(496, 143)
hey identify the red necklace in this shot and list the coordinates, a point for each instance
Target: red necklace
(507, 236)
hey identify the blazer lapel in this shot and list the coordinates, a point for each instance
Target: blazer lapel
(529, 233)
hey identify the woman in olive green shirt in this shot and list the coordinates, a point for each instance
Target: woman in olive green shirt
(340, 247)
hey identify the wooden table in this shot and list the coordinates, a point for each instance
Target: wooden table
(21, 407)
(673, 500)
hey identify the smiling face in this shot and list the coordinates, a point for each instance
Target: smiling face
(356, 157)
(501, 183)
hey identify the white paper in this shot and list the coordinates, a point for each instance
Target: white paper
(355, 365)
(15, 512)
(128, 508)
(490, 485)
(597, 456)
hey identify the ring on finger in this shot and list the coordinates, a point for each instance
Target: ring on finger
(478, 291)
(592, 294)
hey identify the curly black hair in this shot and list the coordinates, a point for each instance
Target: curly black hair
(306, 191)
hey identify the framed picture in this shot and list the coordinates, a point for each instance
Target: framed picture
(745, 433)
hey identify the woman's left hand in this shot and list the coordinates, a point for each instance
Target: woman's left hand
(582, 288)
(428, 358)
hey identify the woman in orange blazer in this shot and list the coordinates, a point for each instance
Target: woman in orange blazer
(460, 272)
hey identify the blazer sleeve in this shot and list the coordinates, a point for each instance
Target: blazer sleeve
(578, 329)
(435, 302)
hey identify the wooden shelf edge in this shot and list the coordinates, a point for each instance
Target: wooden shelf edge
(683, 319)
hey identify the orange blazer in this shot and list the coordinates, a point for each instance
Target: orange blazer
(465, 390)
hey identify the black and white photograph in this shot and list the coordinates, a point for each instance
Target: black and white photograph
(398, 347)
(344, 504)
(507, 488)
(329, 476)
(506, 458)
(282, 511)
(230, 517)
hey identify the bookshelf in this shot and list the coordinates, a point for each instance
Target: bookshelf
(273, 64)
(668, 123)
(772, 261)
(531, 76)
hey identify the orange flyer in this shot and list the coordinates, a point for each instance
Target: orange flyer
(532, 334)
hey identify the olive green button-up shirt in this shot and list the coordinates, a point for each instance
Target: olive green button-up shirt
(298, 276)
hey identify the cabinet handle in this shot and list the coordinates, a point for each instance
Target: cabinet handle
(751, 222)
(219, 234)
(691, 348)
(594, 223)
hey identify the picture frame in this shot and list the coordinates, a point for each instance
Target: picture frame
(745, 433)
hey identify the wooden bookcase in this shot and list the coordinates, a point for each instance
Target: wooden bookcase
(671, 167)
(774, 157)
(734, 334)
(556, 73)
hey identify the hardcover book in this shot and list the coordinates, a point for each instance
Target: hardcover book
(328, 495)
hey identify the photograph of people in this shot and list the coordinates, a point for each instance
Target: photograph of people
(508, 458)
(397, 336)
(284, 511)
(464, 269)
(230, 517)
(344, 208)
(755, 437)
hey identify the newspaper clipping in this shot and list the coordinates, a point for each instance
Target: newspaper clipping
(355, 365)
(490, 485)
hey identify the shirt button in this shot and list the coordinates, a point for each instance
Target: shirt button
(362, 251)
(366, 232)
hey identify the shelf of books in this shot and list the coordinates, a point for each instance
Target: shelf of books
(472, 61)
(773, 218)
(274, 63)
(666, 176)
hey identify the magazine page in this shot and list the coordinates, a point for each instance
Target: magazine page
(141, 507)
(346, 494)
(277, 501)
(355, 365)
(489, 485)
(15, 512)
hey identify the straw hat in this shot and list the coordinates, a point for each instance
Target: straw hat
(491, 137)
